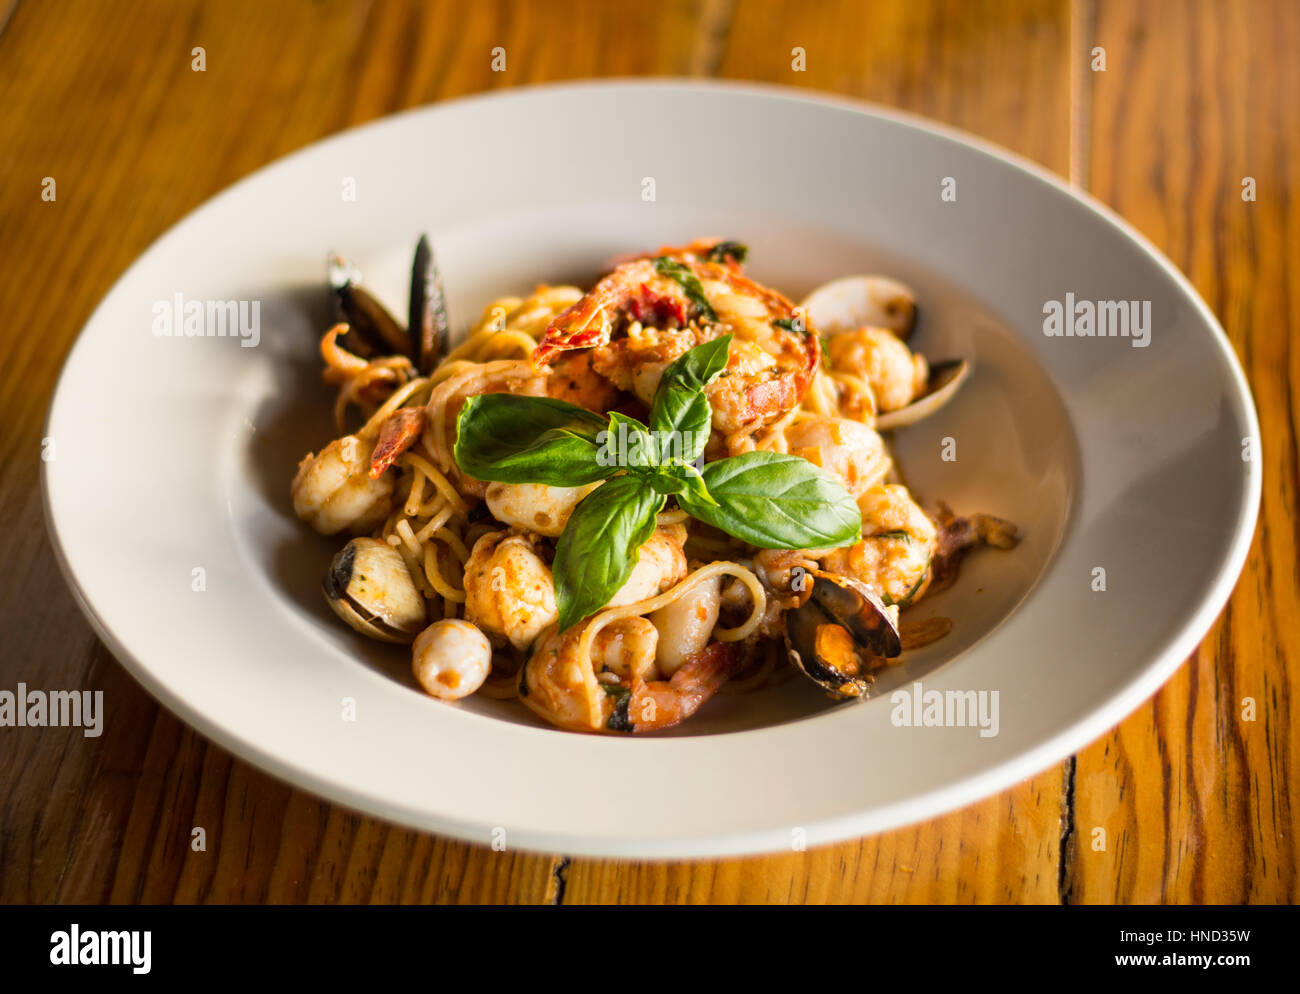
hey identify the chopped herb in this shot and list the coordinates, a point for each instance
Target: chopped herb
(681, 274)
(618, 719)
(907, 598)
(799, 326)
(724, 250)
(895, 534)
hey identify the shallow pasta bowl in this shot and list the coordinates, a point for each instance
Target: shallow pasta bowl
(1122, 464)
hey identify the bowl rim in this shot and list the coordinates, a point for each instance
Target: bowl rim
(967, 789)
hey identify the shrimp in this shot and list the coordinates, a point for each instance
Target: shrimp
(399, 431)
(562, 688)
(663, 703)
(636, 362)
(627, 648)
(893, 559)
(896, 376)
(660, 564)
(509, 589)
(632, 288)
(470, 379)
(629, 694)
(638, 320)
(765, 378)
(572, 379)
(334, 491)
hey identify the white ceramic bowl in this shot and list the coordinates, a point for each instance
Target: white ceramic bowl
(174, 455)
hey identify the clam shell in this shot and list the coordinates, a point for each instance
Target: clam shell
(369, 587)
(853, 302)
(946, 378)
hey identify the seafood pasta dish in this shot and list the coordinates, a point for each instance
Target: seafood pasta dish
(613, 504)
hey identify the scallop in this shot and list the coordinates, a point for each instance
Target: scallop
(369, 587)
(451, 659)
(535, 507)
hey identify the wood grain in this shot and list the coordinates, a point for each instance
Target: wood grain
(1196, 803)
(102, 97)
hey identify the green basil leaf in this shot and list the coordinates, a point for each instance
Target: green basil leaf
(682, 275)
(776, 501)
(681, 420)
(627, 444)
(678, 478)
(680, 409)
(691, 484)
(599, 547)
(511, 439)
(696, 368)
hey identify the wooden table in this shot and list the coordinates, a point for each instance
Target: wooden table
(1197, 805)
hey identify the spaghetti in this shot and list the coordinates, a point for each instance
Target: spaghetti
(477, 554)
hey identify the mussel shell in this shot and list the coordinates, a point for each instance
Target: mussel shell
(802, 627)
(369, 587)
(946, 377)
(861, 612)
(372, 330)
(839, 624)
(428, 325)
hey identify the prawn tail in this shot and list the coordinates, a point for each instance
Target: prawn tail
(397, 434)
(664, 703)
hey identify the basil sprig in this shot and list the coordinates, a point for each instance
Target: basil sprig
(765, 499)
